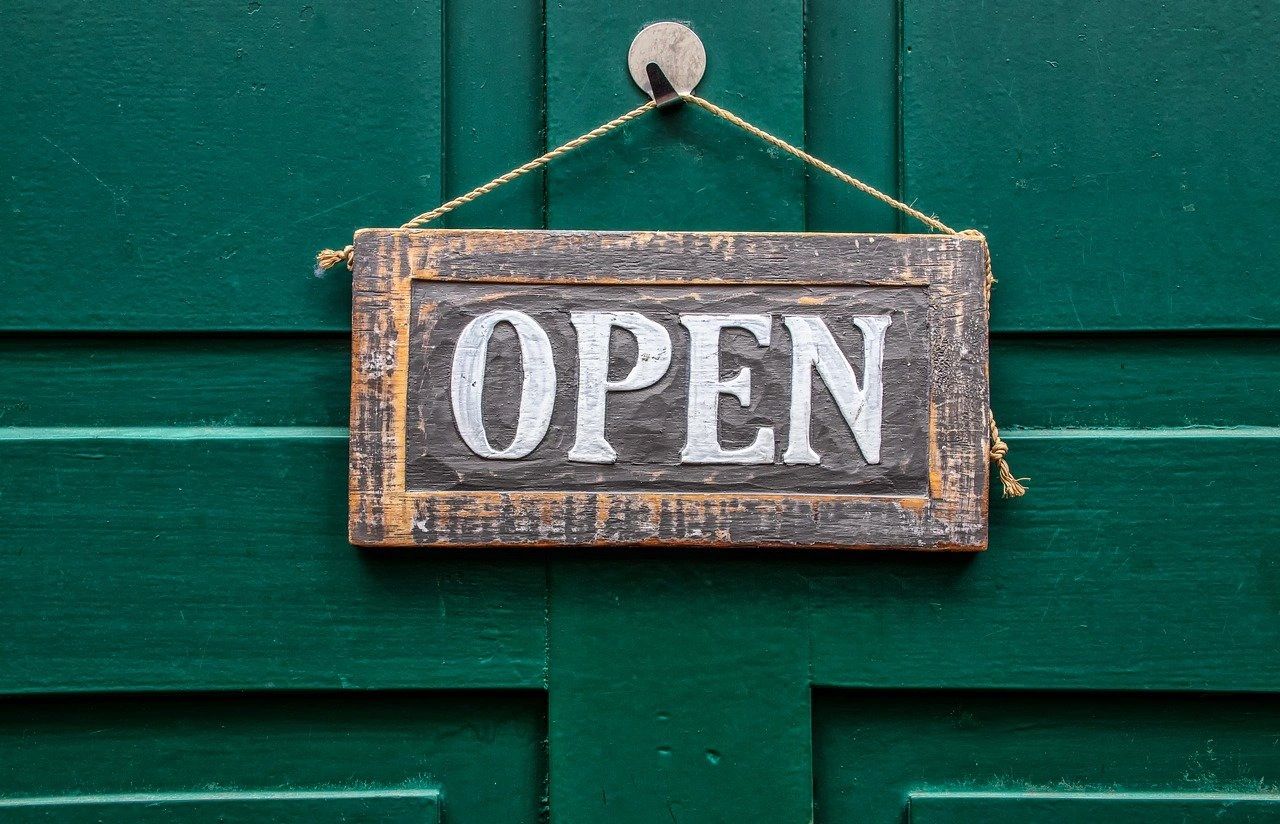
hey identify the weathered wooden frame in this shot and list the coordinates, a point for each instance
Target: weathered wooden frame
(952, 516)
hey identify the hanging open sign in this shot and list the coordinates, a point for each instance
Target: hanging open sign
(603, 388)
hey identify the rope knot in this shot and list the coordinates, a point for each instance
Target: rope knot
(1012, 487)
(329, 258)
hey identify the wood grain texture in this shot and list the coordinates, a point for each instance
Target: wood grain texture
(667, 258)
(385, 512)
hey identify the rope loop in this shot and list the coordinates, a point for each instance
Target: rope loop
(1012, 486)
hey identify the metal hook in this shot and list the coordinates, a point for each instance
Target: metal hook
(660, 88)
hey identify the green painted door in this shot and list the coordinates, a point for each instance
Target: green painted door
(186, 635)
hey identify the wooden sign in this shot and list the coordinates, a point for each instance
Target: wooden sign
(601, 388)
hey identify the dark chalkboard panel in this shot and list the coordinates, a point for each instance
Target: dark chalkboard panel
(648, 426)
(416, 478)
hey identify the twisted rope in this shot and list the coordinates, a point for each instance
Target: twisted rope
(328, 258)
(536, 163)
(794, 151)
(1012, 486)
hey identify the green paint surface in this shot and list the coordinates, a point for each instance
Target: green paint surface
(980, 756)
(1067, 808)
(173, 165)
(1112, 152)
(186, 628)
(386, 806)
(479, 752)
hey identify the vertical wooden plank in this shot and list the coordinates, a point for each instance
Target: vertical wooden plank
(678, 685)
(679, 690)
(679, 168)
(494, 94)
(851, 111)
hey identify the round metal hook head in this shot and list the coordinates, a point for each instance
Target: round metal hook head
(674, 49)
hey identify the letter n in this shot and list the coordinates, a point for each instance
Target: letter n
(813, 348)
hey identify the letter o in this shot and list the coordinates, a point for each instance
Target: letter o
(537, 391)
